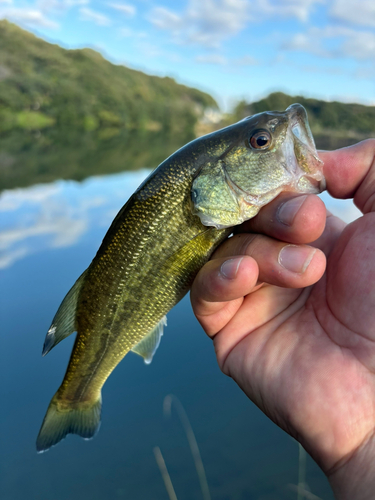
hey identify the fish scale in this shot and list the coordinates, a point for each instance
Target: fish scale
(123, 324)
(156, 245)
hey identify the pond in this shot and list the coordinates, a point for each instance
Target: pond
(48, 235)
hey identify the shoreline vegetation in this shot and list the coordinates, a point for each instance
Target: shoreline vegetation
(333, 124)
(71, 114)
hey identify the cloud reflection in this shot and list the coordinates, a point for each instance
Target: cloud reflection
(59, 214)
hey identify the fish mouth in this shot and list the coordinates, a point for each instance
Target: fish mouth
(300, 129)
(300, 152)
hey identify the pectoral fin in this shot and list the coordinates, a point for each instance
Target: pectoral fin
(149, 344)
(63, 324)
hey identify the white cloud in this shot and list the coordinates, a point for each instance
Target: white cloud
(59, 214)
(300, 9)
(39, 14)
(28, 17)
(210, 22)
(359, 45)
(60, 5)
(304, 42)
(204, 22)
(347, 42)
(127, 9)
(96, 17)
(40, 219)
(9, 259)
(65, 230)
(353, 12)
(72, 3)
(11, 200)
(165, 19)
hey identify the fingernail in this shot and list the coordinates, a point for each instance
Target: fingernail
(288, 210)
(230, 267)
(296, 259)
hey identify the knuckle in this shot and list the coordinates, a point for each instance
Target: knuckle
(253, 245)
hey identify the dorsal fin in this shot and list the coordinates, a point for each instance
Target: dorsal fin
(63, 324)
(149, 344)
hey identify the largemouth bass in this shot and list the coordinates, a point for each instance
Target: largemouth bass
(158, 242)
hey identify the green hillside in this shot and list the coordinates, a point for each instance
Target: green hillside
(44, 85)
(71, 113)
(334, 124)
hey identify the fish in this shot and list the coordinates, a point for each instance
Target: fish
(158, 242)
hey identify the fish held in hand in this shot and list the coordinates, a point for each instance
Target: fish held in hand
(159, 241)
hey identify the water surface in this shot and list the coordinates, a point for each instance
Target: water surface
(48, 235)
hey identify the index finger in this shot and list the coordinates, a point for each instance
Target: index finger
(350, 173)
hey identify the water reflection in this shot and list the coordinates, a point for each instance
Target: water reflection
(48, 235)
(27, 159)
(59, 214)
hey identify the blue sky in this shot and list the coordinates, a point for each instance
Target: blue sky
(234, 49)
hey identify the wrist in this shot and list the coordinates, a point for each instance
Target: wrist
(354, 478)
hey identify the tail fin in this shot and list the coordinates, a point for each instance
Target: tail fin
(82, 419)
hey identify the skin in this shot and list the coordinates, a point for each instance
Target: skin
(301, 342)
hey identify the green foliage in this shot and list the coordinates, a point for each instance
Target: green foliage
(27, 120)
(8, 120)
(71, 113)
(323, 115)
(32, 120)
(333, 124)
(80, 89)
(36, 157)
(109, 119)
(90, 123)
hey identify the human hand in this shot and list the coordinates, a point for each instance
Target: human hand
(294, 324)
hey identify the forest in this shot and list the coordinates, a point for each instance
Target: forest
(333, 124)
(71, 113)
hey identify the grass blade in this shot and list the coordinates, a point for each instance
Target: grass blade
(164, 473)
(191, 439)
(301, 473)
(302, 491)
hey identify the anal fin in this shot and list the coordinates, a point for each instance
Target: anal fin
(149, 344)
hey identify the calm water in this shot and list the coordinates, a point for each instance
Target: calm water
(48, 235)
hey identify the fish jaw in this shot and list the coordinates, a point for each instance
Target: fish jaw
(301, 156)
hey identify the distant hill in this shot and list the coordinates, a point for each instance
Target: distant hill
(334, 124)
(45, 86)
(71, 113)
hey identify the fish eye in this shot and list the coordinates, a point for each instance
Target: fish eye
(261, 139)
